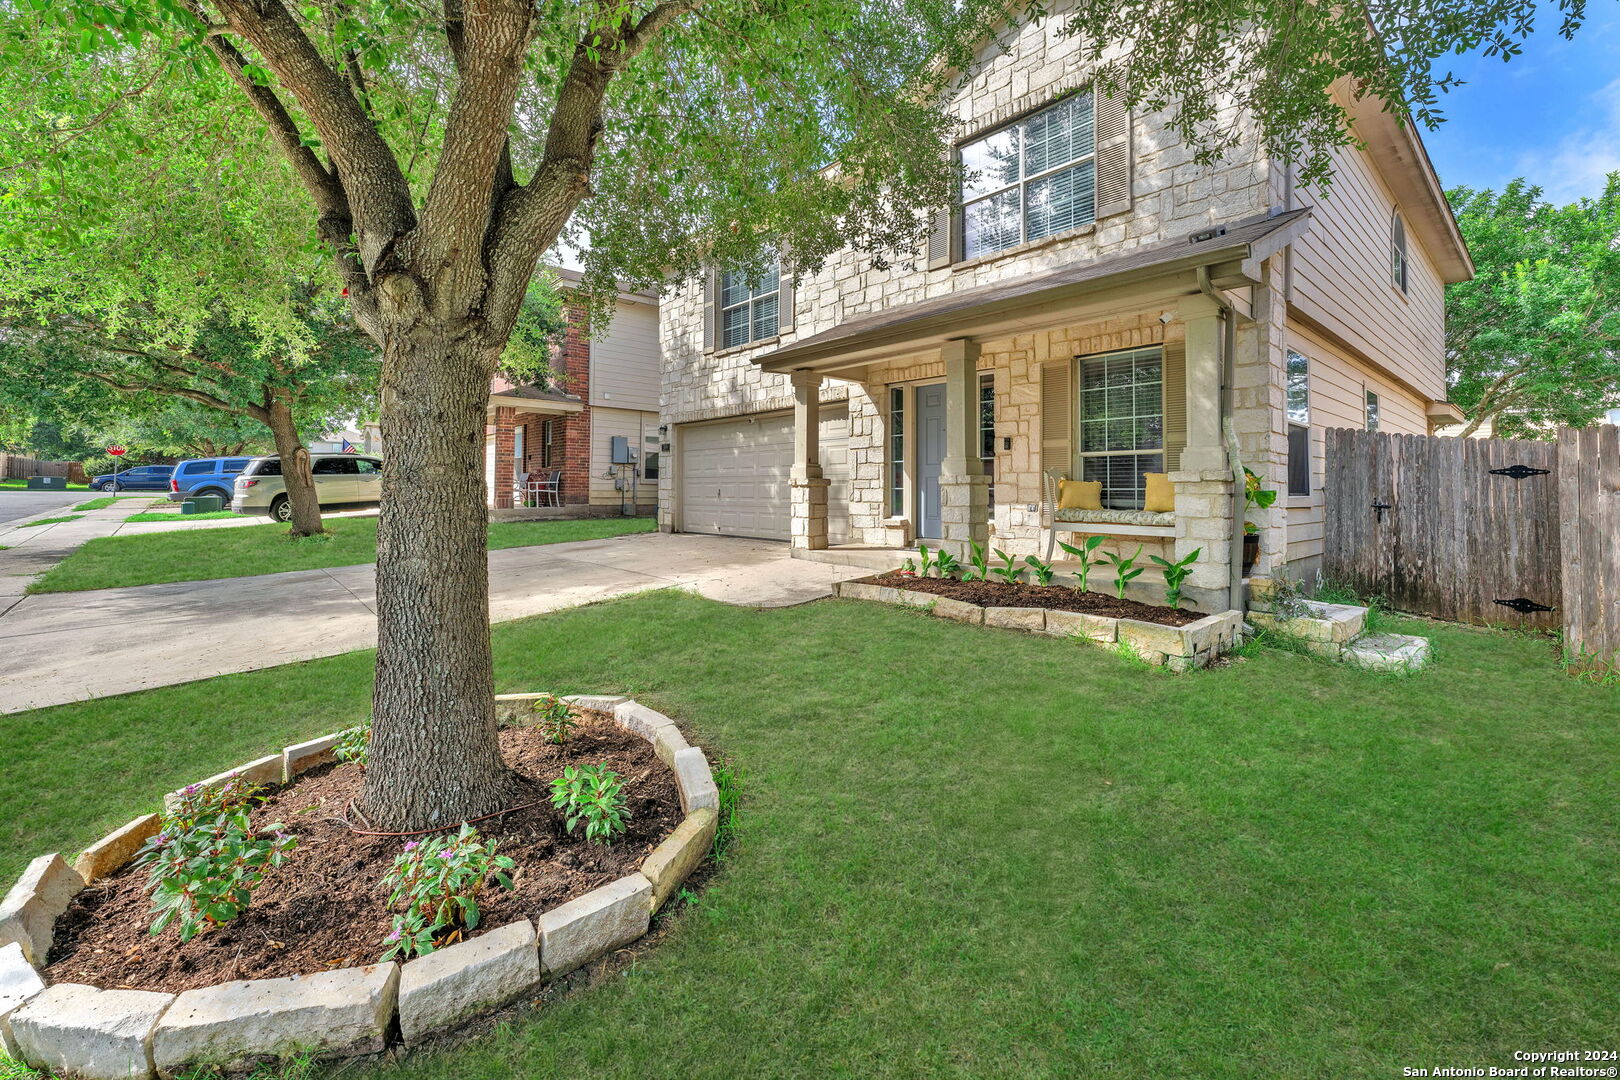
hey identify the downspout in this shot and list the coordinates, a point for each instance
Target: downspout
(1234, 595)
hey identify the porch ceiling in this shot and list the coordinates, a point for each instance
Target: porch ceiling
(1235, 257)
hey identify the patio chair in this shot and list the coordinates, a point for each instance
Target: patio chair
(545, 488)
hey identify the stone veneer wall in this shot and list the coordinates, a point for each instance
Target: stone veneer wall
(1024, 69)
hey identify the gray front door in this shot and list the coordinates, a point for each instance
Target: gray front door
(930, 452)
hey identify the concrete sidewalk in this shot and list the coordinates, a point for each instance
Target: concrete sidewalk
(61, 647)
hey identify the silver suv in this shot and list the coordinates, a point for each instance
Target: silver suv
(340, 480)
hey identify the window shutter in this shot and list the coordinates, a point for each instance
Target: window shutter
(784, 300)
(711, 298)
(1057, 417)
(1175, 403)
(941, 239)
(1113, 131)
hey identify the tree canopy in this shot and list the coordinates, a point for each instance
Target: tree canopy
(1533, 341)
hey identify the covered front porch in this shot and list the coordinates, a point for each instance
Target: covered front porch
(533, 455)
(1152, 391)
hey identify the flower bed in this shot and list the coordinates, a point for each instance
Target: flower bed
(1177, 640)
(298, 968)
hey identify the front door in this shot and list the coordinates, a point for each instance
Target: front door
(930, 452)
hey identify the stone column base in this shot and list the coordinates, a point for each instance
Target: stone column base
(964, 513)
(807, 526)
(1204, 522)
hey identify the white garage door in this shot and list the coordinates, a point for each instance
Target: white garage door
(734, 475)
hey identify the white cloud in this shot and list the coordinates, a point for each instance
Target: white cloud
(1579, 162)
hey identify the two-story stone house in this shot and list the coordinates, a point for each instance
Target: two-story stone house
(1097, 307)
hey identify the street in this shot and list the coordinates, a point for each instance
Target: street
(20, 504)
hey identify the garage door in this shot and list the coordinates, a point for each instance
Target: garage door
(734, 475)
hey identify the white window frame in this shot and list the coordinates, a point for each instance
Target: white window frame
(1024, 181)
(1080, 451)
(771, 329)
(1397, 252)
(1375, 410)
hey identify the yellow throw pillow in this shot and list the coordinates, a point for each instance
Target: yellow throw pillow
(1161, 494)
(1079, 495)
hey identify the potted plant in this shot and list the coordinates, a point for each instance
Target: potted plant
(1255, 496)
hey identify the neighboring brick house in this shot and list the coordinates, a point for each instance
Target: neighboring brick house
(1071, 318)
(606, 390)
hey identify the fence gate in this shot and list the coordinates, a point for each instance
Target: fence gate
(1461, 529)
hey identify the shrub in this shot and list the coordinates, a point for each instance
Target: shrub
(1174, 574)
(978, 564)
(354, 744)
(1083, 553)
(199, 802)
(1041, 570)
(1123, 569)
(438, 880)
(948, 565)
(593, 794)
(554, 717)
(203, 873)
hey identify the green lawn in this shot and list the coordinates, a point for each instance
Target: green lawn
(47, 521)
(162, 517)
(972, 853)
(21, 484)
(108, 500)
(201, 554)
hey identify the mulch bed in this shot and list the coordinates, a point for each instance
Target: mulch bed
(1053, 597)
(324, 909)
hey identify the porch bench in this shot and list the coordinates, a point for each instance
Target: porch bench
(1098, 522)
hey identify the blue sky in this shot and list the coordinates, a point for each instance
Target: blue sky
(1551, 114)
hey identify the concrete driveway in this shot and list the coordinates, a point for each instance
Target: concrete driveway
(61, 647)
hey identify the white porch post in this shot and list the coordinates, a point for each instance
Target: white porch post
(1204, 483)
(963, 487)
(807, 494)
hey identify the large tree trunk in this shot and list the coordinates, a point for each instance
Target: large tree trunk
(435, 759)
(295, 473)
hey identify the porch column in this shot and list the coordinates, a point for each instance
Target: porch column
(1203, 485)
(807, 487)
(1206, 445)
(964, 509)
(505, 446)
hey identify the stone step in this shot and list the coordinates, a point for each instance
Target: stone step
(1388, 652)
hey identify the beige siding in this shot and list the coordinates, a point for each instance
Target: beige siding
(1340, 277)
(625, 361)
(634, 425)
(1338, 387)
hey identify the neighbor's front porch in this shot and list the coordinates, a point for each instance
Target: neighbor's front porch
(536, 447)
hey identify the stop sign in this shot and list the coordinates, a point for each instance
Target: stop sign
(116, 451)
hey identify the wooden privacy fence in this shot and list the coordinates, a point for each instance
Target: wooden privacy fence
(18, 467)
(1461, 529)
(1488, 531)
(1589, 504)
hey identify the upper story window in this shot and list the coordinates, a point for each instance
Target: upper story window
(1397, 251)
(1372, 411)
(1030, 180)
(749, 307)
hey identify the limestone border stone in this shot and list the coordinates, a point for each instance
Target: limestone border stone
(1178, 648)
(78, 1030)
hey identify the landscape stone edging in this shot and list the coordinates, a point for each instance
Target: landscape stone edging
(1178, 648)
(98, 1033)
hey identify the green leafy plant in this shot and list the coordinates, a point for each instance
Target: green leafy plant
(354, 744)
(925, 561)
(203, 872)
(1175, 573)
(1009, 571)
(1255, 496)
(593, 794)
(1041, 570)
(949, 566)
(978, 568)
(1125, 569)
(438, 880)
(198, 803)
(1083, 555)
(728, 782)
(554, 717)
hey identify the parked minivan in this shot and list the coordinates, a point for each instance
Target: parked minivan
(206, 476)
(341, 480)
